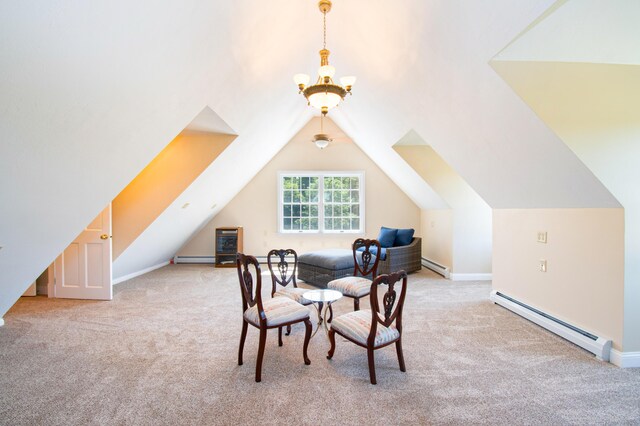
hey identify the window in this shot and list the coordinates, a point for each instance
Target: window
(321, 202)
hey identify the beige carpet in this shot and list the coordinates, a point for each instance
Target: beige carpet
(164, 351)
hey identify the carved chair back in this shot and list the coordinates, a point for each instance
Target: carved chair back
(251, 291)
(367, 265)
(285, 272)
(391, 308)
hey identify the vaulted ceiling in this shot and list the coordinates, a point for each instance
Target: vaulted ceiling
(92, 91)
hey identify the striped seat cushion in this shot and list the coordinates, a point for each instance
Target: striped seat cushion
(293, 293)
(351, 286)
(357, 326)
(278, 310)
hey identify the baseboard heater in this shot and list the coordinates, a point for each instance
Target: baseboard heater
(599, 346)
(436, 267)
(212, 259)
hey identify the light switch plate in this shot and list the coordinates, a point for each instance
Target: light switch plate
(542, 237)
(543, 265)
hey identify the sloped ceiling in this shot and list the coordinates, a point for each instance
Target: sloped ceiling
(91, 92)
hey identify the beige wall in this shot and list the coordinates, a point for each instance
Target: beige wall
(158, 184)
(585, 264)
(469, 225)
(437, 232)
(255, 207)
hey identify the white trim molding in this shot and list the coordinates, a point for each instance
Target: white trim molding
(471, 277)
(625, 359)
(1, 322)
(138, 273)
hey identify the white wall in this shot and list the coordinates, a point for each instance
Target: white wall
(583, 284)
(437, 236)
(470, 216)
(255, 207)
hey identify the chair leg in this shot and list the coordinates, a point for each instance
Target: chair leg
(288, 330)
(330, 314)
(307, 337)
(243, 336)
(372, 366)
(279, 336)
(263, 339)
(332, 340)
(356, 304)
(400, 356)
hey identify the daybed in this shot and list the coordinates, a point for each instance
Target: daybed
(320, 267)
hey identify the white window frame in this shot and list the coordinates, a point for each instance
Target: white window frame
(321, 175)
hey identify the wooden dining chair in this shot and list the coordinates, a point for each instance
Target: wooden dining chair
(365, 265)
(265, 314)
(283, 278)
(376, 328)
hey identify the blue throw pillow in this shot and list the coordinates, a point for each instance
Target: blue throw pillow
(387, 236)
(404, 237)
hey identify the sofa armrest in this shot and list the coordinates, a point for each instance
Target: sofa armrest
(407, 257)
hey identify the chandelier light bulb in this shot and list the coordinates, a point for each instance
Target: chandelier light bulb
(301, 80)
(348, 82)
(326, 71)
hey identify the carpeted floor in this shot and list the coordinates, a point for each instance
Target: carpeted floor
(164, 351)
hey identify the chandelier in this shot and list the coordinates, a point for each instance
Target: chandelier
(324, 94)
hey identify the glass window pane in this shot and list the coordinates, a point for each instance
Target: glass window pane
(355, 196)
(286, 211)
(295, 182)
(346, 182)
(314, 183)
(313, 224)
(355, 183)
(337, 211)
(295, 211)
(328, 225)
(328, 196)
(286, 196)
(296, 196)
(328, 183)
(304, 210)
(346, 224)
(346, 210)
(304, 223)
(295, 224)
(355, 224)
(304, 183)
(313, 211)
(313, 196)
(355, 210)
(345, 196)
(287, 224)
(336, 196)
(328, 211)
(304, 196)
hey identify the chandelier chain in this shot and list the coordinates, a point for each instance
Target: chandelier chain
(324, 28)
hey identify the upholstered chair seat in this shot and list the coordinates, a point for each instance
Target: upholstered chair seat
(293, 293)
(351, 286)
(356, 326)
(279, 310)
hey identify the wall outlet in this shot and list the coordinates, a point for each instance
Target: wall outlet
(542, 237)
(543, 265)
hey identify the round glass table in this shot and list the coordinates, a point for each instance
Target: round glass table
(320, 298)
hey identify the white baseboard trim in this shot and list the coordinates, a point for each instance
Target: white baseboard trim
(625, 359)
(1, 322)
(194, 259)
(471, 277)
(435, 267)
(138, 273)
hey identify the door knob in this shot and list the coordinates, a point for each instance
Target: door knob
(104, 236)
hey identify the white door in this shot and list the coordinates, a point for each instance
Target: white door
(83, 270)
